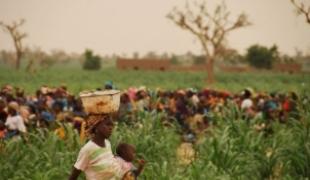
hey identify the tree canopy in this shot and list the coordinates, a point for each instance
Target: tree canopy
(261, 57)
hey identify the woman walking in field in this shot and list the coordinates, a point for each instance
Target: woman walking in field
(95, 158)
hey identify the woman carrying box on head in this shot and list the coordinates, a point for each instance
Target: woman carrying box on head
(95, 158)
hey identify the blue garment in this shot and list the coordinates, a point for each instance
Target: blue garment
(271, 105)
(109, 85)
(47, 116)
(11, 133)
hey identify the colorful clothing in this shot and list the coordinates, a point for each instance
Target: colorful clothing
(91, 122)
(2, 134)
(125, 166)
(98, 163)
(246, 104)
(15, 123)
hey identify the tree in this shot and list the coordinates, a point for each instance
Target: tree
(7, 57)
(210, 29)
(262, 57)
(136, 55)
(232, 57)
(174, 60)
(91, 62)
(302, 9)
(151, 55)
(17, 36)
(38, 59)
(198, 60)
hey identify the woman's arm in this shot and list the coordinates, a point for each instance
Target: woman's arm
(74, 174)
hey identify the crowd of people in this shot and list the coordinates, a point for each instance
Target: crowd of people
(193, 110)
(196, 110)
(48, 108)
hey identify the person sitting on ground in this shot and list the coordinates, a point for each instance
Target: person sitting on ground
(247, 101)
(125, 156)
(14, 123)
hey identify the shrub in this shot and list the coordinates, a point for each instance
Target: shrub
(91, 62)
(261, 57)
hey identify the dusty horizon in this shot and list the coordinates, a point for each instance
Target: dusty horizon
(122, 27)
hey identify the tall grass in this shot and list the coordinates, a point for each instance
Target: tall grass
(232, 149)
(40, 155)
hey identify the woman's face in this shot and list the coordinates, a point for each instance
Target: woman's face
(105, 128)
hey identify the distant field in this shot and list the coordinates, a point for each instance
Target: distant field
(77, 79)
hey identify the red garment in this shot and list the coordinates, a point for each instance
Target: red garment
(2, 134)
(286, 105)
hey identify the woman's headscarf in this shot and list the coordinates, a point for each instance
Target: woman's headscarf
(92, 121)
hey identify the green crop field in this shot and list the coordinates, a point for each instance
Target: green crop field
(232, 148)
(78, 80)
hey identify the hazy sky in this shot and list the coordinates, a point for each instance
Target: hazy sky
(127, 26)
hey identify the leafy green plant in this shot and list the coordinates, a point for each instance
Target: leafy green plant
(232, 149)
(91, 62)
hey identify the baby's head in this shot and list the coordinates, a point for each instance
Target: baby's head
(126, 151)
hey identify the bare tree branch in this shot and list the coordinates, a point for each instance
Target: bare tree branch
(302, 9)
(17, 37)
(210, 29)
